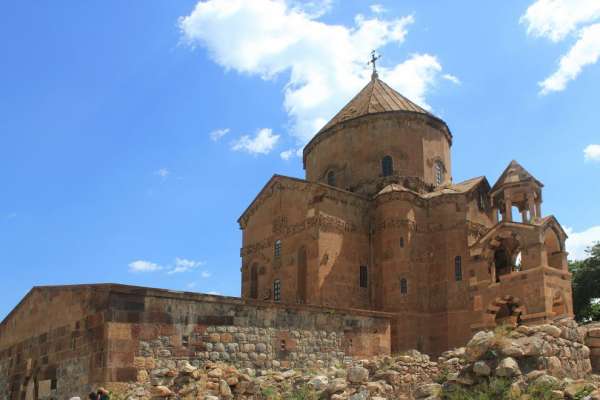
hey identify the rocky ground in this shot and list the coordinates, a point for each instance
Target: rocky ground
(525, 363)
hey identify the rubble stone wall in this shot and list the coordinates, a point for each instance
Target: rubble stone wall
(62, 342)
(166, 329)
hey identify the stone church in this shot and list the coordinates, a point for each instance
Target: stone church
(377, 251)
(379, 224)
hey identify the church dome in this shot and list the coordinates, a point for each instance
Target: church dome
(379, 123)
(376, 97)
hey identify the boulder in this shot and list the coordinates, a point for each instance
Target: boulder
(428, 390)
(215, 373)
(161, 391)
(479, 345)
(481, 368)
(574, 389)
(532, 346)
(224, 389)
(508, 367)
(318, 382)
(390, 376)
(337, 385)
(511, 348)
(546, 380)
(362, 395)
(551, 330)
(358, 374)
(187, 369)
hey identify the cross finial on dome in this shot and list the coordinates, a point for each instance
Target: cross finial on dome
(373, 60)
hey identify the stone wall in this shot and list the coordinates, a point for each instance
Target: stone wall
(167, 329)
(121, 333)
(592, 340)
(52, 343)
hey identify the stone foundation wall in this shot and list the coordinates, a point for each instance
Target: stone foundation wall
(249, 347)
(154, 333)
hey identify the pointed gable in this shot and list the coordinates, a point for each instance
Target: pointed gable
(515, 174)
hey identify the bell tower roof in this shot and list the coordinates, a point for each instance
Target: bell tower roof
(376, 97)
(515, 174)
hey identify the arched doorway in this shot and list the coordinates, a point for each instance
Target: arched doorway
(301, 275)
(254, 281)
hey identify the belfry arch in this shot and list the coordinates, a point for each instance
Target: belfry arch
(554, 248)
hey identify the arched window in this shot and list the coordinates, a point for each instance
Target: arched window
(457, 268)
(364, 276)
(254, 281)
(301, 275)
(277, 290)
(331, 178)
(401, 242)
(403, 286)
(482, 201)
(439, 172)
(277, 248)
(387, 166)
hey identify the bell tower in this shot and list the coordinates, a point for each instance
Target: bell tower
(517, 188)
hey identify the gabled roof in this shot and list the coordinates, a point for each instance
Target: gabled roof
(458, 188)
(513, 174)
(376, 97)
(282, 178)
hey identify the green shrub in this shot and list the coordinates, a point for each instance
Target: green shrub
(303, 392)
(493, 389)
(542, 391)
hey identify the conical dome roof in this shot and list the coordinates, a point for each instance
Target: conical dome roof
(376, 97)
(514, 174)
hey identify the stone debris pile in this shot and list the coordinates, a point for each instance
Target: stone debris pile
(547, 362)
(550, 361)
(379, 378)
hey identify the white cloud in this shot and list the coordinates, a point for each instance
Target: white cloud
(592, 152)
(327, 63)
(313, 9)
(584, 52)
(286, 155)
(578, 242)
(262, 143)
(451, 78)
(377, 8)
(217, 134)
(184, 265)
(163, 173)
(555, 19)
(11, 215)
(558, 19)
(290, 153)
(214, 293)
(180, 265)
(143, 266)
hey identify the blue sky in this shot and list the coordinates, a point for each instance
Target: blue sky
(132, 138)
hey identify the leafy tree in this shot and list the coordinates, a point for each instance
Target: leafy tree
(586, 286)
